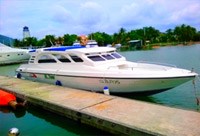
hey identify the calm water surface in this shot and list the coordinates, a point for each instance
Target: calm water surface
(38, 122)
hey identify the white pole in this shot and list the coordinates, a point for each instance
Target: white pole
(106, 90)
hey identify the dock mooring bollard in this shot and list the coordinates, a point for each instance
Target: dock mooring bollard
(13, 132)
(106, 90)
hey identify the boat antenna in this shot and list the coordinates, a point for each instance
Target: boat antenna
(91, 35)
(51, 42)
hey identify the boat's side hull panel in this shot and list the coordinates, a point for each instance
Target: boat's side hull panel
(11, 57)
(115, 85)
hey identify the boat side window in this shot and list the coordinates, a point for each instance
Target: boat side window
(96, 58)
(116, 55)
(108, 57)
(62, 58)
(75, 58)
(46, 59)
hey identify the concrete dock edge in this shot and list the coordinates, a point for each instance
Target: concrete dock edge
(115, 115)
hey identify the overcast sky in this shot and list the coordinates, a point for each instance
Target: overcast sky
(58, 17)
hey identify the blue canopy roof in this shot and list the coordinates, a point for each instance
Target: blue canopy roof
(63, 48)
(60, 48)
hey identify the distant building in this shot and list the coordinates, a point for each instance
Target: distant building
(135, 44)
(83, 40)
(26, 32)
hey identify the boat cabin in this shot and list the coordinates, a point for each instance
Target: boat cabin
(88, 56)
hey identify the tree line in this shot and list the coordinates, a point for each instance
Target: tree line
(180, 34)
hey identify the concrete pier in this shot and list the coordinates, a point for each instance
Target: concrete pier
(116, 115)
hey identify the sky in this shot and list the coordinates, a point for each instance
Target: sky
(81, 17)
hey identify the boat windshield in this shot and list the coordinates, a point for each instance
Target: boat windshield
(104, 56)
(116, 55)
(75, 58)
(62, 58)
(96, 58)
(108, 56)
(46, 59)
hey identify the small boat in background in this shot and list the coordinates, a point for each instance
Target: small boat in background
(76, 43)
(94, 68)
(118, 46)
(92, 43)
(109, 45)
(10, 55)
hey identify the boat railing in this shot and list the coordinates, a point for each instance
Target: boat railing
(158, 63)
(143, 64)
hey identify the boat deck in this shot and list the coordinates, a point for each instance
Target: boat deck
(113, 114)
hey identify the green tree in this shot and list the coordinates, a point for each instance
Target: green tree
(197, 36)
(49, 40)
(40, 43)
(59, 40)
(29, 41)
(133, 35)
(101, 38)
(73, 38)
(170, 35)
(122, 35)
(163, 38)
(190, 33)
(69, 39)
(17, 43)
(184, 33)
(115, 38)
(107, 38)
(152, 34)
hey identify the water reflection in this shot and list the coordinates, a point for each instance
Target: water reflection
(18, 113)
(140, 98)
(63, 122)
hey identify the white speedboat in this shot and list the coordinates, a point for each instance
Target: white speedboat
(118, 46)
(92, 43)
(94, 68)
(10, 55)
(76, 43)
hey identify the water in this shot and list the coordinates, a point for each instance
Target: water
(35, 121)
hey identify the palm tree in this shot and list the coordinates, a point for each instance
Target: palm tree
(169, 34)
(177, 32)
(122, 36)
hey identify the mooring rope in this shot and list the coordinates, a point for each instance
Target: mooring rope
(195, 91)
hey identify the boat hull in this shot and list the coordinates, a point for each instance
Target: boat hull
(13, 57)
(115, 85)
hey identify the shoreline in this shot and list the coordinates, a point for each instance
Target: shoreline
(158, 45)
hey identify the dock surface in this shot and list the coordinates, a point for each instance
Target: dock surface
(113, 114)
